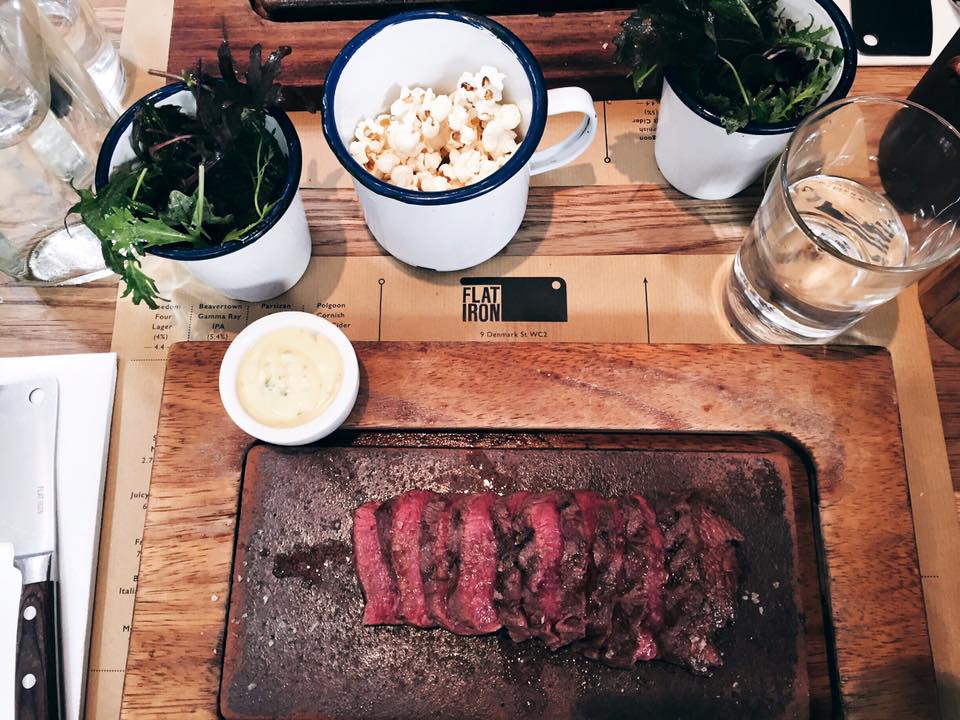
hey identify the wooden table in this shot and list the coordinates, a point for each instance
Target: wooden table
(42, 321)
(39, 321)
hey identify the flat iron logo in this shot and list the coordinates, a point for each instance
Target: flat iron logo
(514, 299)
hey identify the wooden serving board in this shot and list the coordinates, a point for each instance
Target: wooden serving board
(572, 47)
(296, 646)
(837, 404)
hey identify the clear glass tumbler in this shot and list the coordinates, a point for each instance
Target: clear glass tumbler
(864, 202)
(44, 149)
(79, 27)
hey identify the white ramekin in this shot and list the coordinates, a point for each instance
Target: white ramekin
(318, 428)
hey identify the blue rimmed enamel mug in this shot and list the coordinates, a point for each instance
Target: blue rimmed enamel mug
(454, 229)
(694, 151)
(266, 261)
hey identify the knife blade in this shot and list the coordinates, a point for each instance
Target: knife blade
(28, 430)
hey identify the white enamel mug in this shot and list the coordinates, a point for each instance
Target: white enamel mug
(695, 153)
(270, 258)
(454, 229)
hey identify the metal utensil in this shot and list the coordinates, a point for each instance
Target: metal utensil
(28, 429)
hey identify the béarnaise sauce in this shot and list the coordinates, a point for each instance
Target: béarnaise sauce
(289, 377)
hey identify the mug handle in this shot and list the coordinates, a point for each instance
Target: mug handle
(564, 100)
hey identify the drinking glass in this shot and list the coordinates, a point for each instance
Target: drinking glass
(78, 25)
(864, 201)
(45, 146)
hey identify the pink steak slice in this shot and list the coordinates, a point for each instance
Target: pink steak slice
(471, 601)
(398, 522)
(379, 587)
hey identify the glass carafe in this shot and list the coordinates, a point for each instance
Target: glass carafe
(48, 141)
(77, 24)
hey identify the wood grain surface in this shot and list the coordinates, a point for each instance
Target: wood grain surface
(636, 219)
(65, 320)
(577, 48)
(940, 300)
(41, 321)
(837, 403)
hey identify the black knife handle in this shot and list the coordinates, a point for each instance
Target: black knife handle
(38, 650)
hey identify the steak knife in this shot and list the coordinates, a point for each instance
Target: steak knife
(28, 430)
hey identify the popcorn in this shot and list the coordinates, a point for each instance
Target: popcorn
(386, 163)
(403, 138)
(440, 140)
(430, 127)
(508, 116)
(402, 176)
(439, 108)
(432, 142)
(434, 183)
(428, 162)
(464, 165)
(409, 103)
(359, 151)
(459, 117)
(489, 167)
(486, 110)
(498, 140)
(484, 85)
(463, 137)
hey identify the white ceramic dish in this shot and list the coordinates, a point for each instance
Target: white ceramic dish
(267, 261)
(696, 154)
(453, 229)
(311, 431)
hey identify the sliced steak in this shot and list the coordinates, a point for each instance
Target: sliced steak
(699, 597)
(398, 523)
(379, 587)
(589, 502)
(471, 599)
(538, 523)
(619, 581)
(508, 590)
(606, 567)
(439, 544)
(638, 613)
(571, 623)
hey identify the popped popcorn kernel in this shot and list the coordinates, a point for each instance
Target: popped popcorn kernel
(387, 162)
(459, 117)
(498, 140)
(464, 137)
(440, 107)
(403, 139)
(509, 116)
(439, 140)
(428, 162)
(403, 176)
(436, 142)
(434, 183)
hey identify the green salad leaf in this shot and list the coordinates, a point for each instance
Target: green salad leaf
(196, 180)
(743, 59)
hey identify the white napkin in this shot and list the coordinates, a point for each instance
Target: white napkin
(10, 583)
(87, 385)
